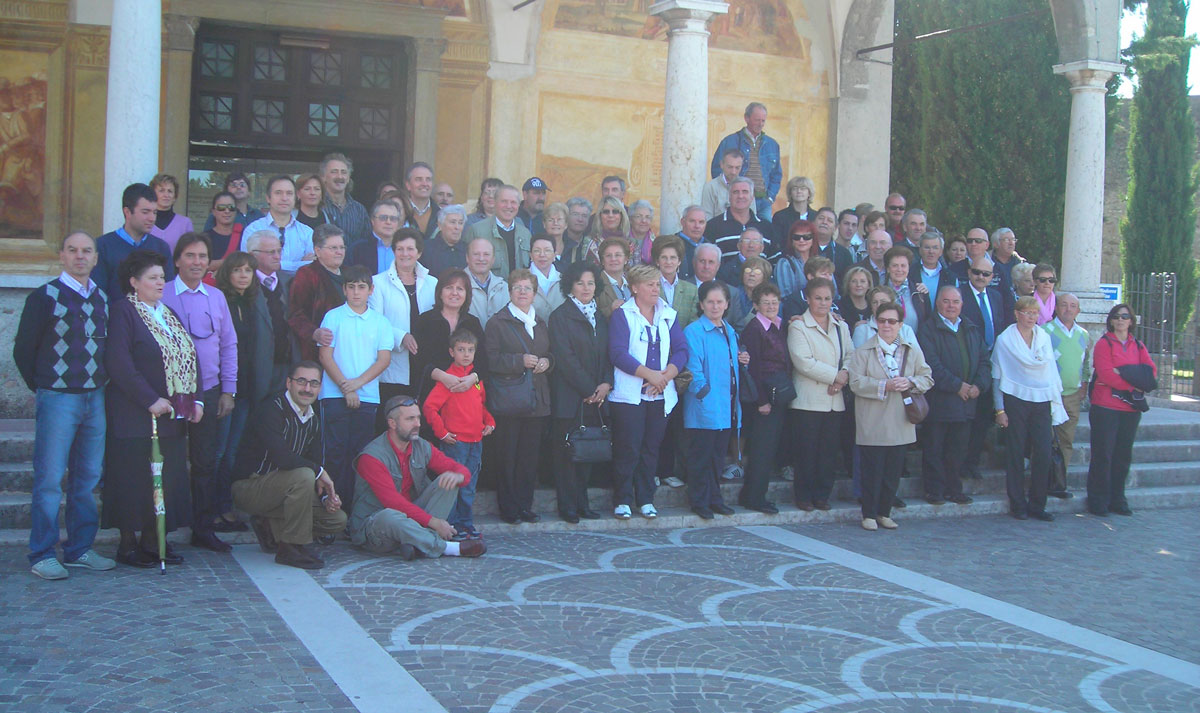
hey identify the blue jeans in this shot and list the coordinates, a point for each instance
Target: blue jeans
(346, 432)
(468, 455)
(762, 208)
(229, 438)
(69, 435)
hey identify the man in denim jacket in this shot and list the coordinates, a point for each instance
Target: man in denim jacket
(761, 154)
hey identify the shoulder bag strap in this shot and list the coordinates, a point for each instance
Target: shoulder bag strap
(520, 338)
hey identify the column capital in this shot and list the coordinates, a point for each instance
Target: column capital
(1088, 74)
(180, 32)
(688, 15)
(428, 53)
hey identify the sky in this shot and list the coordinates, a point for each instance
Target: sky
(1134, 24)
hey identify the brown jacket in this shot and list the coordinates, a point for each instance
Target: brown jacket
(507, 343)
(879, 415)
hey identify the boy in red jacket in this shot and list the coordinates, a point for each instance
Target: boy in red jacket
(460, 421)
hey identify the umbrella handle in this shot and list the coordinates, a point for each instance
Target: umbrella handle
(153, 426)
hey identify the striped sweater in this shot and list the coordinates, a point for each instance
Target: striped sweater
(277, 439)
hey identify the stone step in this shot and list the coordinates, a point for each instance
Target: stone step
(16, 440)
(1148, 451)
(680, 517)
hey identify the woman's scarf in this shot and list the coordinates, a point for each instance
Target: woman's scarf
(589, 310)
(179, 355)
(887, 356)
(529, 319)
(1045, 309)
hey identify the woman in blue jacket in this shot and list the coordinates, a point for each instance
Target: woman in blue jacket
(711, 409)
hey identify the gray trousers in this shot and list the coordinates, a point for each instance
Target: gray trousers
(388, 529)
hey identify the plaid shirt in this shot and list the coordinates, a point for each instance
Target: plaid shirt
(352, 219)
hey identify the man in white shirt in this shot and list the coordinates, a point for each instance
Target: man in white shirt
(714, 197)
(295, 236)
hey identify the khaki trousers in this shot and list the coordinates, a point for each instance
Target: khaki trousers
(388, 529)
(1066, 431)
(288, 500)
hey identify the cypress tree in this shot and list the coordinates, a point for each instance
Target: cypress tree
(980, 120)
(1159, 227)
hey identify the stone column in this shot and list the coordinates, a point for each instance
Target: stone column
(685, 111)
(134, 83)
(1084, 209)
(428, 53)
(180, 38)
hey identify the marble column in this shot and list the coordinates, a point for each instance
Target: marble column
(685, 110)
(134, 83)
(1084, 208)
(428, 74)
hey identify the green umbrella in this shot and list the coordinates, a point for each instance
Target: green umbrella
(160, 509)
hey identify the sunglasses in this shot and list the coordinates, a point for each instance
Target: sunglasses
(980, 273)
(802, 236)
(388, 218)
(887, 320)
(1050, 280)
(977, 240)
(225, 208)
(1123, 315)
(895, 207)
(610, 211)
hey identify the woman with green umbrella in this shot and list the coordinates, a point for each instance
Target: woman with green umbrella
(154, 375)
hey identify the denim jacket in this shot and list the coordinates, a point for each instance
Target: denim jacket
(768, 158)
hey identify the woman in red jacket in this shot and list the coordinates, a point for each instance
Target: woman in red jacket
(1114, 421)
(316, 289)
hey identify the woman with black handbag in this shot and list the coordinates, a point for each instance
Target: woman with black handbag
(518, 349)
(580, 384)
(771, 370)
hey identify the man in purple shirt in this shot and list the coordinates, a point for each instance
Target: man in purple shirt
(205, 313)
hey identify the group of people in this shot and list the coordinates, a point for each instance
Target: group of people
(329, 368)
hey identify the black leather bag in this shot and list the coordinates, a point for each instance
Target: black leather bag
(589, 444)
(916, 407)
(780, 389)
(747, 389)
(512, 395)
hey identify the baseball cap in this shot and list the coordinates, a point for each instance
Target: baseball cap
(535, 183)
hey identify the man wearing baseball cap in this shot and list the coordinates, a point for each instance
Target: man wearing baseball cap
(534, 200)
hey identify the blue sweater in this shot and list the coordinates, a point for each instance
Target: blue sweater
(112, 249)
(60, 339)
(711, 400)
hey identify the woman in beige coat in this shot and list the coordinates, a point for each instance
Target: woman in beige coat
(819, 347)
(880, 370)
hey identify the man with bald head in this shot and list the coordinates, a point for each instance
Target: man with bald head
(691, 231)
(977, 247)
(1072, 350)
(878, 243)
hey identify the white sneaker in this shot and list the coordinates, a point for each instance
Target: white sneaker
(674, 482)
(622, 512)
(869, 524)
(657, 481)
(787, 473)
(93, 560)
(49, 568)
(732, 472)
(649, 512)
(887, 523)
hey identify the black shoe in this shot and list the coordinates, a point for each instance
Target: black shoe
(529, 516)
(570, 517)
(1060, 494)
(262, 530)
(1043, 516)
(588, 514)
(137, 557)
(1121, 510)
(227, 526)
(210, 541)
(1098, 513)
(406, 552)
(821, 504)
(172, 557)
(722, 509)
(1020, 515)
(765, 508)
(516, 519)
(297, 556)
(935, 500)
(960, 499)
(899, 504)
(703, 512)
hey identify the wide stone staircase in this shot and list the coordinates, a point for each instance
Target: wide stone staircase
(1165, 473)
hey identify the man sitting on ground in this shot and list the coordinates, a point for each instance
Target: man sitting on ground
(405, 491)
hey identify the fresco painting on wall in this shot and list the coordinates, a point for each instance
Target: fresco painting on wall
(22, 142)
(762, 26)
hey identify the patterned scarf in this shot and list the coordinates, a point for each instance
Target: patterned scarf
(179, 355)
(589, 311)
(887, 357)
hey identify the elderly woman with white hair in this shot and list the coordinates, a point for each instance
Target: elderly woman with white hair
(641, 232)
(445, 249)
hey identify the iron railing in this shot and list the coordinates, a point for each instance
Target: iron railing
(1152, 297)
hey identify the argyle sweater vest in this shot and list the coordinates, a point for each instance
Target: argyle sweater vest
(71, 354)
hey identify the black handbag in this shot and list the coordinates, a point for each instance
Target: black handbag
(589, 444)
(512, 395)
(780, 389)
(747, 389)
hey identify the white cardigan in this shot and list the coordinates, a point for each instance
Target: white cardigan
(390, 299)
(627, 388)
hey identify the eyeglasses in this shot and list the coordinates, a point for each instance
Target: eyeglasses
(1123, 315)
(388, 218)
(887, 320)
(980, 273)
(225, 208)
(276, 251)
(1050, 280)
(976, 240)
(895, 207)
(802, 236)
(333, 248)
(1027, 313)
(310, 383)
(522, 288)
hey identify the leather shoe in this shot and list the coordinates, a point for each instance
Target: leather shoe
(297, 556)
(722, 509)
(1061, 494)
(570, 517)
(899, 504)
(1043, 516)
(1121, 510)
(472, 548)
(935, 500)
(136, 557)
(703, 512)
(804, 505)
(589, 514)
(767, 509)
(511, 520)
(223, 524)
(262, 530)
(960, 499)
(407, 552)
(210, 541)
(1020, 515)
(529, 516)
(821, 504)
(172, 557)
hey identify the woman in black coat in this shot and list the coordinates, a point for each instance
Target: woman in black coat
(580, 382)
(432, 330)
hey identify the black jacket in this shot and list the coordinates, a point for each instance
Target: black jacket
(507, 343)
(1003, 304)
(940, 346)
(580, 359)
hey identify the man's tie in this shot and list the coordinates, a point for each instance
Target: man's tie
(269, 283)
(989, 329)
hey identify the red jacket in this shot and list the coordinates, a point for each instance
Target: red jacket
(384, 486)
(1107, 355)
(312, 294)
(462, 414)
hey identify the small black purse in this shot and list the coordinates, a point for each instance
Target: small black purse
(589, 444)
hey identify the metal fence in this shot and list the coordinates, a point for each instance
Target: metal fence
(1152, 297)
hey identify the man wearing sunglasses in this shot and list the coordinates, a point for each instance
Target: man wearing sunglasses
(991, 309)
(279, 479)
(977, 247)
(893, 210)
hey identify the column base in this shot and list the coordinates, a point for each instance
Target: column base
(1093, 312)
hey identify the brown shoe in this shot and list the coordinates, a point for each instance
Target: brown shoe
(262, 530)
(804, 505)
(471, 548)
(297, 556)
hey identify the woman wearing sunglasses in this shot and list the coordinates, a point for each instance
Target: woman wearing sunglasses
(789, 272)
(1044, 281)
(1114, 421)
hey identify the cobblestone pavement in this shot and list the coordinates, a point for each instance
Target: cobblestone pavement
(718, 620)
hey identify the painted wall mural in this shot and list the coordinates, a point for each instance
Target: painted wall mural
(22, 142)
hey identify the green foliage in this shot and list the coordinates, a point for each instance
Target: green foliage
(1159, 227)
(980, 120)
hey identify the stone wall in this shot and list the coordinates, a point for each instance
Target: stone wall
(16, 401)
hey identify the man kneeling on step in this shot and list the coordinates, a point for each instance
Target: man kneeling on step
(405, 490)
(279, 478)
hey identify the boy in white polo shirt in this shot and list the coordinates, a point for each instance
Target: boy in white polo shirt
(360, 351)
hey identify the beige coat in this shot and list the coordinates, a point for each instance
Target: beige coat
(879, 415)
(816, 356)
